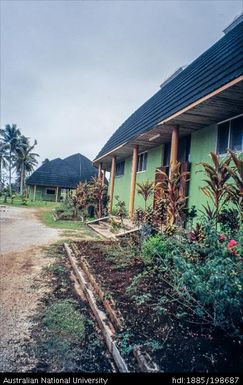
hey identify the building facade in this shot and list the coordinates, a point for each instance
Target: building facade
(198, 111)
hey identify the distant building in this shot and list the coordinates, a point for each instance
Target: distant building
(47, 182)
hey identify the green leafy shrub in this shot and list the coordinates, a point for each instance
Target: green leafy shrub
(153, 247)
(229, 221)
(209, 288)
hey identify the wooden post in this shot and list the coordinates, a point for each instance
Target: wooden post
(103, 177)
(112, 181)
(174, 147)
(56, 194)
(100, 171)
(34, 193)
(133, 181)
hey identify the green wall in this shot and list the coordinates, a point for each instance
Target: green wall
(122, 183)
(41, 194)
(202, 143)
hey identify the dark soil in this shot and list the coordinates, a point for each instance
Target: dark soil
(176, 345)
(52, 354)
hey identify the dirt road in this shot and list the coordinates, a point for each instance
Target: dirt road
(23, 239)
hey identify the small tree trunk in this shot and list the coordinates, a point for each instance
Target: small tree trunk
(24, 184)
(21, 180)
(1, 167)
(99, 208)
(10, 175)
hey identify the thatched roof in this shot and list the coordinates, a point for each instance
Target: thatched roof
(63, 173)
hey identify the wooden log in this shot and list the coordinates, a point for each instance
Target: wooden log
(174, 146)
(120, 235)
(100, 171)
(108, 304)
(97, 220)
(104, 324)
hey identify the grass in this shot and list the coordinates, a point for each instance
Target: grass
(48, 220)
(19, 203)
(45, 215)
(70, 227)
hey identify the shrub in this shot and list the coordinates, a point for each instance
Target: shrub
(229, 221)
(153, 247)
(209, 288)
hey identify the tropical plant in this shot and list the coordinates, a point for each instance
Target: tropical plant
(146, 189)
(173, 194)
(236, 172)
(229, 221)
(217, 188)
(3, 162)
(206, 290)
(82, 196)
(98, 191)
(25, 160)
(139, 216)
(161, 212)
(10, 136)
(120, 210)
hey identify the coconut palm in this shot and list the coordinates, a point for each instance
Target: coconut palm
(25, 159)
(10, 136)
(3, 161)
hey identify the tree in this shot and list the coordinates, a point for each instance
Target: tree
(10, 136)
(25, 159)
(3, 161)
(146, 189)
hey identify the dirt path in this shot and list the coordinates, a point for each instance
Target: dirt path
(23, 240)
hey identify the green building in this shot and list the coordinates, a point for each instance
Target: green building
(52, 177)
(197, 110)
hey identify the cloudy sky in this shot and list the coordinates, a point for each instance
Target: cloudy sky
(73, 71)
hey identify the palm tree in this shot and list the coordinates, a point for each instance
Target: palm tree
(10, 136)
(25, 159)
(3, 161)
(146, 189)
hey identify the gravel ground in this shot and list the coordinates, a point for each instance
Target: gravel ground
(23, 239)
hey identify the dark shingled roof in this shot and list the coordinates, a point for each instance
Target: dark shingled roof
(217, 66)
(64, 173)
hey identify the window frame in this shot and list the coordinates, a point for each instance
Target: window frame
(117, 164)
(139, 155)
(229, 136)
(51, 189)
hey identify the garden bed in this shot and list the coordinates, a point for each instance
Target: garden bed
(175, 344)
(65, 336)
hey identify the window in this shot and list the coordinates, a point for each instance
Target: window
(50, 191)
(230, 135)
(142, 162)
(120, 168)
(237, 134)
(166, 160)
(184, 149)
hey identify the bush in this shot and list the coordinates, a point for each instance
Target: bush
(153, 247)
(209, 287)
